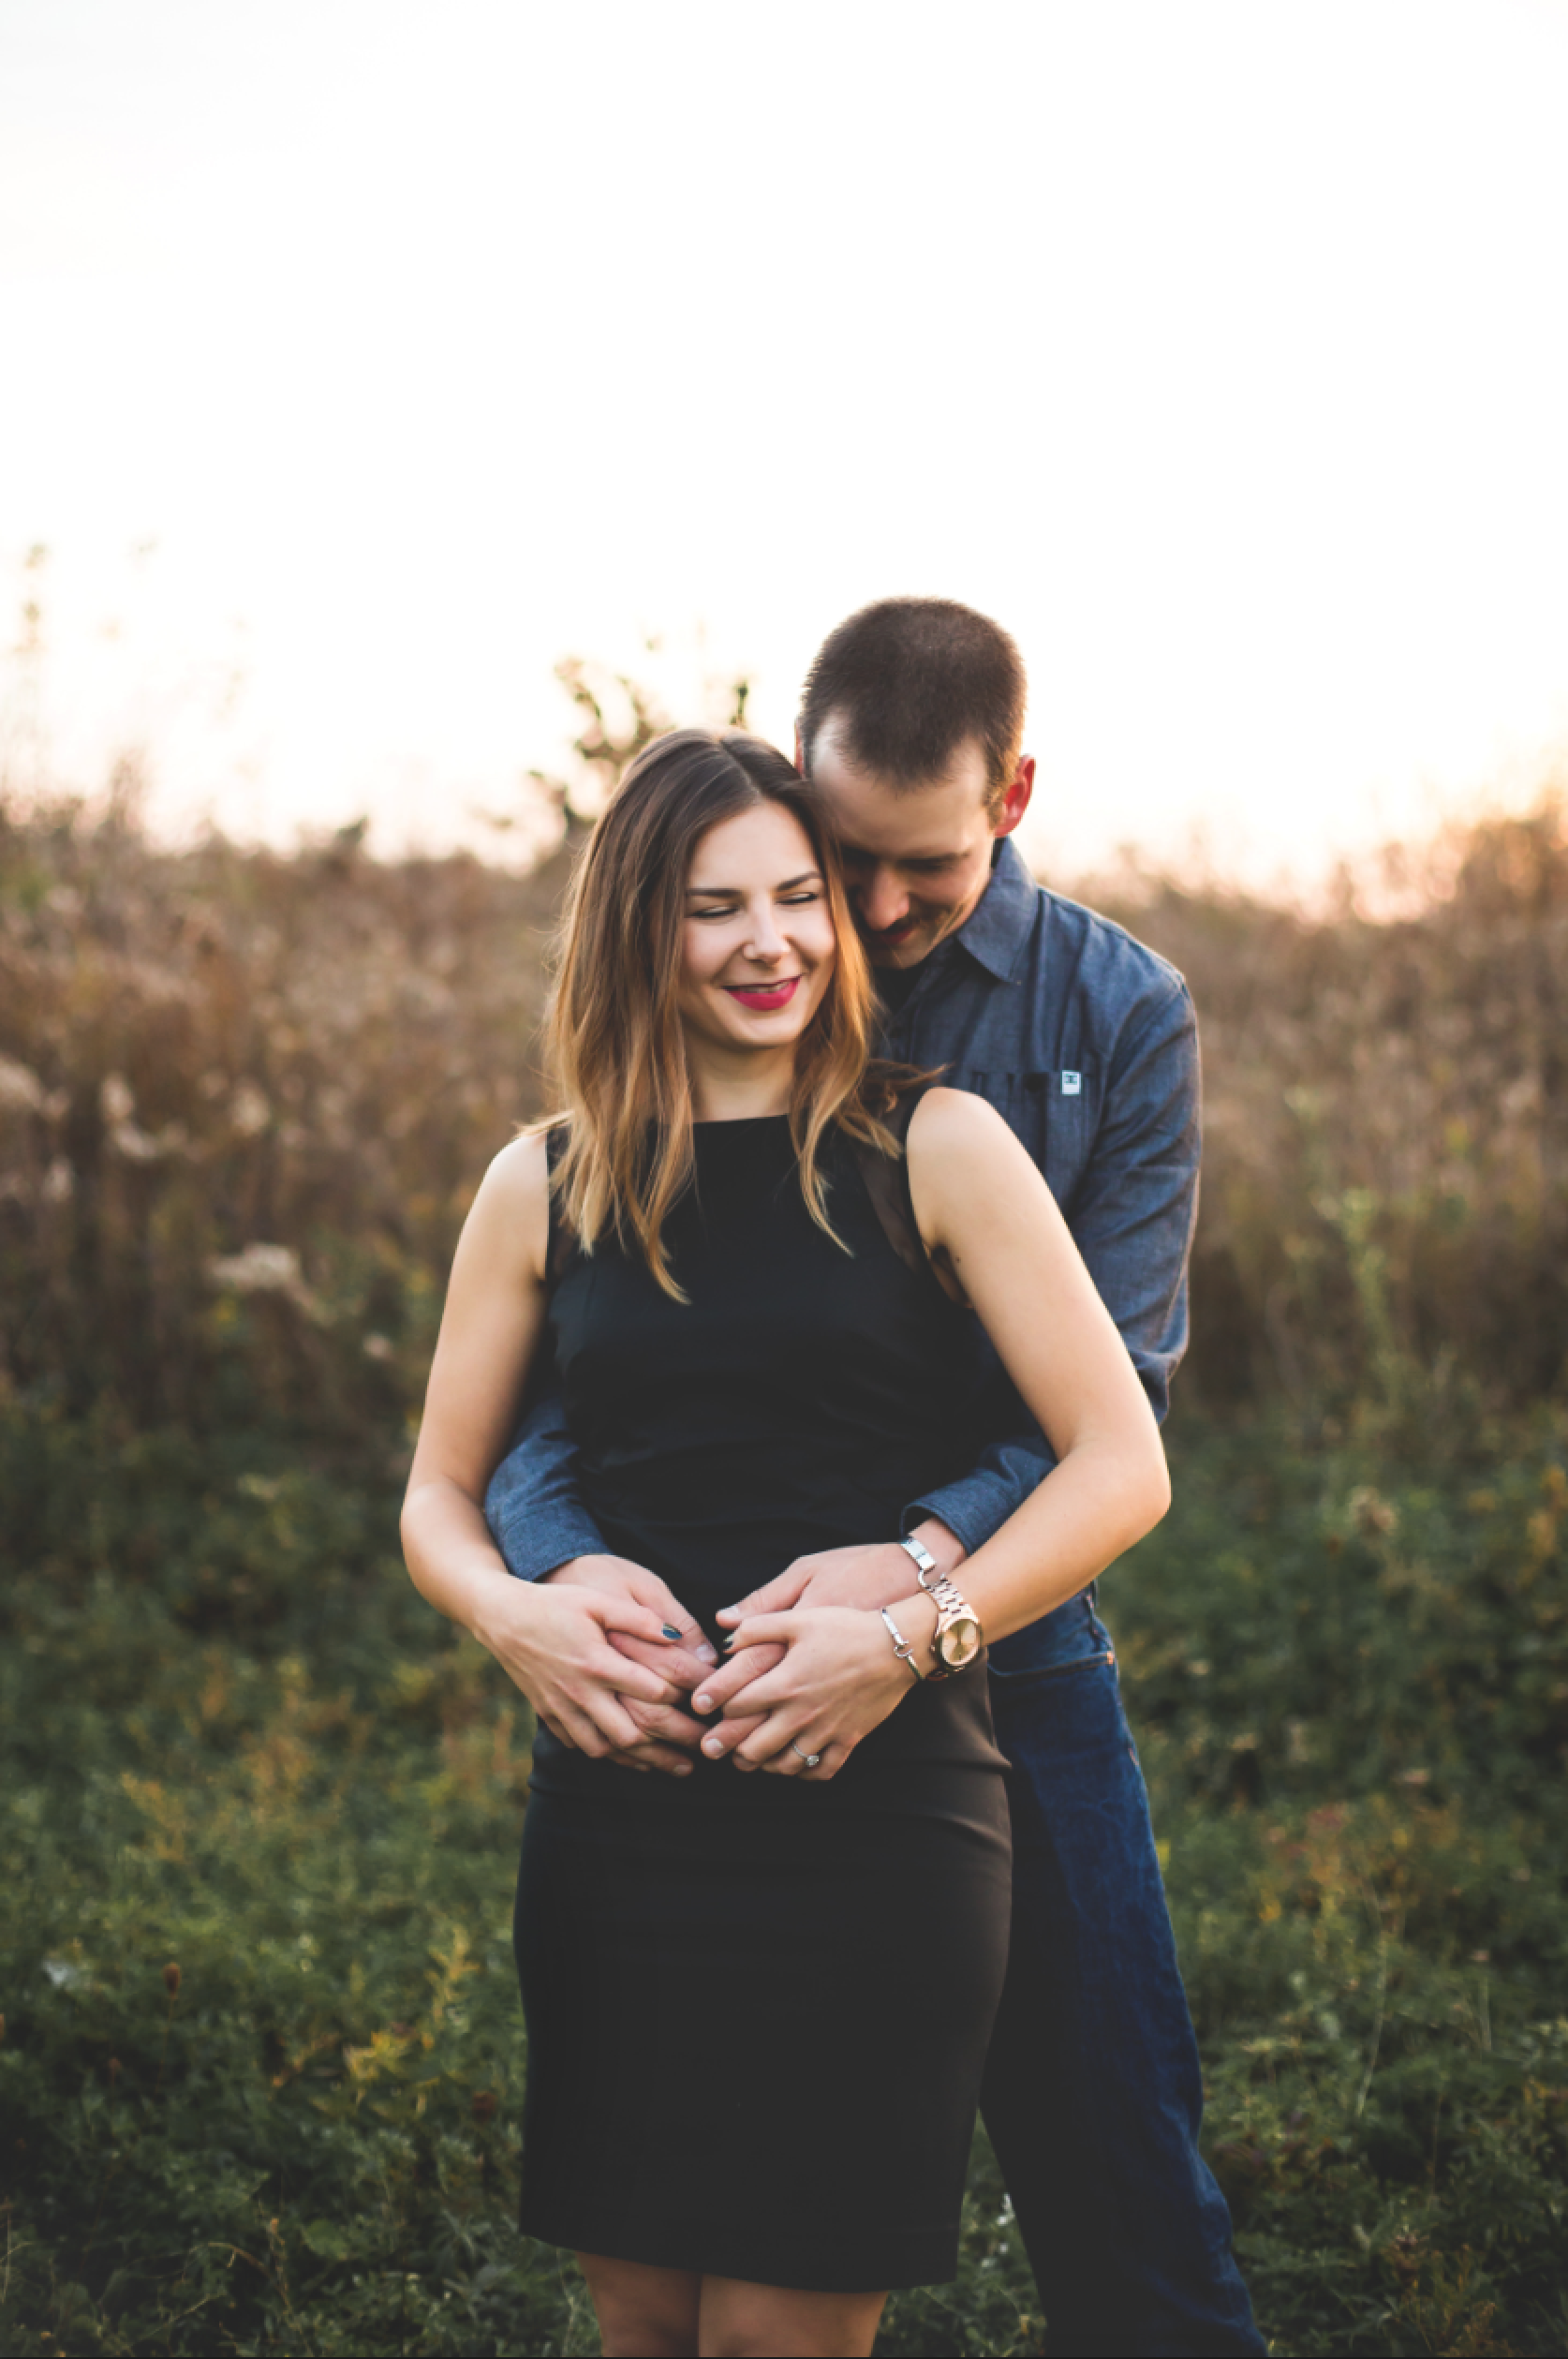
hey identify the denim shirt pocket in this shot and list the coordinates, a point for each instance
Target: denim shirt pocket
(1055, 1114)
(1067, 1116)
(1000, 1089)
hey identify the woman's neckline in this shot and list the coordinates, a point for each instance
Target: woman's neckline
(736, 1122)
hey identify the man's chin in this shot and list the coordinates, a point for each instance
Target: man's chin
(906, 951)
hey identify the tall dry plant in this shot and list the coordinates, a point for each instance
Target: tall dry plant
(244, 1101)
(245, 1098)
(1385, 1175)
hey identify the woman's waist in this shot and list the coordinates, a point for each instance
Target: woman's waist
(745, 1480)
(940, 1732)
(732, 1502)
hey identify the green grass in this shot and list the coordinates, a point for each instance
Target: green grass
(235, 1742)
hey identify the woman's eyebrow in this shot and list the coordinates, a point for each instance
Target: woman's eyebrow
(734, 893)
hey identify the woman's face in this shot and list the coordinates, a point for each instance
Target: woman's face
(759, 949)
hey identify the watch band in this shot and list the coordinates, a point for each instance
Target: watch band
(901, 1646)
(952, 1606)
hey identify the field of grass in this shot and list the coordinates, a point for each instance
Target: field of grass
(261, 2058)
(262, 2061)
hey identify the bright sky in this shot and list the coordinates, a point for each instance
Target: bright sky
(1217, 349)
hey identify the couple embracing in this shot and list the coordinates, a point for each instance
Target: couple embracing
(843, 1295)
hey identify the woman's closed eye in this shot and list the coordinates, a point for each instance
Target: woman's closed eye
(732, 908)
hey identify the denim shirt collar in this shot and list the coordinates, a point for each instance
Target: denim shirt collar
(1000, 930)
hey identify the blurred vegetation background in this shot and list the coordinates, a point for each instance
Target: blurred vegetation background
(260, 2055)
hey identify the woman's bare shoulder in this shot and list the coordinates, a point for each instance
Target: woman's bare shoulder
(960, 1148)
(522, 1169)
(512, 1209)
(953, 1122)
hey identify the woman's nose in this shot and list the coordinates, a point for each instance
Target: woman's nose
(766, 943)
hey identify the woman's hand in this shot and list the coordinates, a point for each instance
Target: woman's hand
(838, 1679)
(554, 1641)
(867, 1577)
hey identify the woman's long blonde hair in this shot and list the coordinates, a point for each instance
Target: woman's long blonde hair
(616, 1035)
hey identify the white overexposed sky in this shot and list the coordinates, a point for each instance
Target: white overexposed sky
(361, 361)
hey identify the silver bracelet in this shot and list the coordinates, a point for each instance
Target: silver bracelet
(921, 1556)
(901, 1646)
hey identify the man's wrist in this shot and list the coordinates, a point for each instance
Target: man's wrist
(580, 1566)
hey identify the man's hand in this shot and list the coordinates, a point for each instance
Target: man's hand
(553, 1640)
(681, 1657)
(866, 1577)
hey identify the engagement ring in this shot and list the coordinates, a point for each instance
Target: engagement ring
(810, 1759)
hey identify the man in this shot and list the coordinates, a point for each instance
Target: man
(911, 726)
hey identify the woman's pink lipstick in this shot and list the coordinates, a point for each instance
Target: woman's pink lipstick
(764, 996)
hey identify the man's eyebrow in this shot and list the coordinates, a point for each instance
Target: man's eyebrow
(734, 893)
(895, 859)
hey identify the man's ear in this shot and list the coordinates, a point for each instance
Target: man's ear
(800, 751)
(1015, 802)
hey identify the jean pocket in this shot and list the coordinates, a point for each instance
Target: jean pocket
(1063, 1640)
(1041, 1674)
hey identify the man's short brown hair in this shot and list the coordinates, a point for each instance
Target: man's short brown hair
(910, 680)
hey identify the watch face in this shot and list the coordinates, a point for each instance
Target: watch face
(959, 1643)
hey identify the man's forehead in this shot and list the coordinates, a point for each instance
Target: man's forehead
(832, 756)
(915, 823)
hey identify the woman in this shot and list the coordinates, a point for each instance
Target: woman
(758, 2004)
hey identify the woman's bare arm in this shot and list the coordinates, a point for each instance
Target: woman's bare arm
(552, 1638)
(983, 1204)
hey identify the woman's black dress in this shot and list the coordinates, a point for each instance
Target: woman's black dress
(758, 2006)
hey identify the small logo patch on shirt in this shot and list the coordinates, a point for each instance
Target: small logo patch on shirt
(1071, 1085)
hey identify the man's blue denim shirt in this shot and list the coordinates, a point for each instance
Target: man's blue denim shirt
(1087, 1044)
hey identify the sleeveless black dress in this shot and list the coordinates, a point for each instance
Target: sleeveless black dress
(758, 2006)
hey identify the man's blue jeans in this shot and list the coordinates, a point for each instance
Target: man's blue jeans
(1093, 2095)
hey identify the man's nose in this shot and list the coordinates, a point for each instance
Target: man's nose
(883, 901)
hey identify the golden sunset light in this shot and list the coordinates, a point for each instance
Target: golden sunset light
(1216, 350)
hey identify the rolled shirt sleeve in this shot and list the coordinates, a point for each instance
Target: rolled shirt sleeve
(536, 1517)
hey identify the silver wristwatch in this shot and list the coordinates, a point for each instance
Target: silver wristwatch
(958, 1636)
